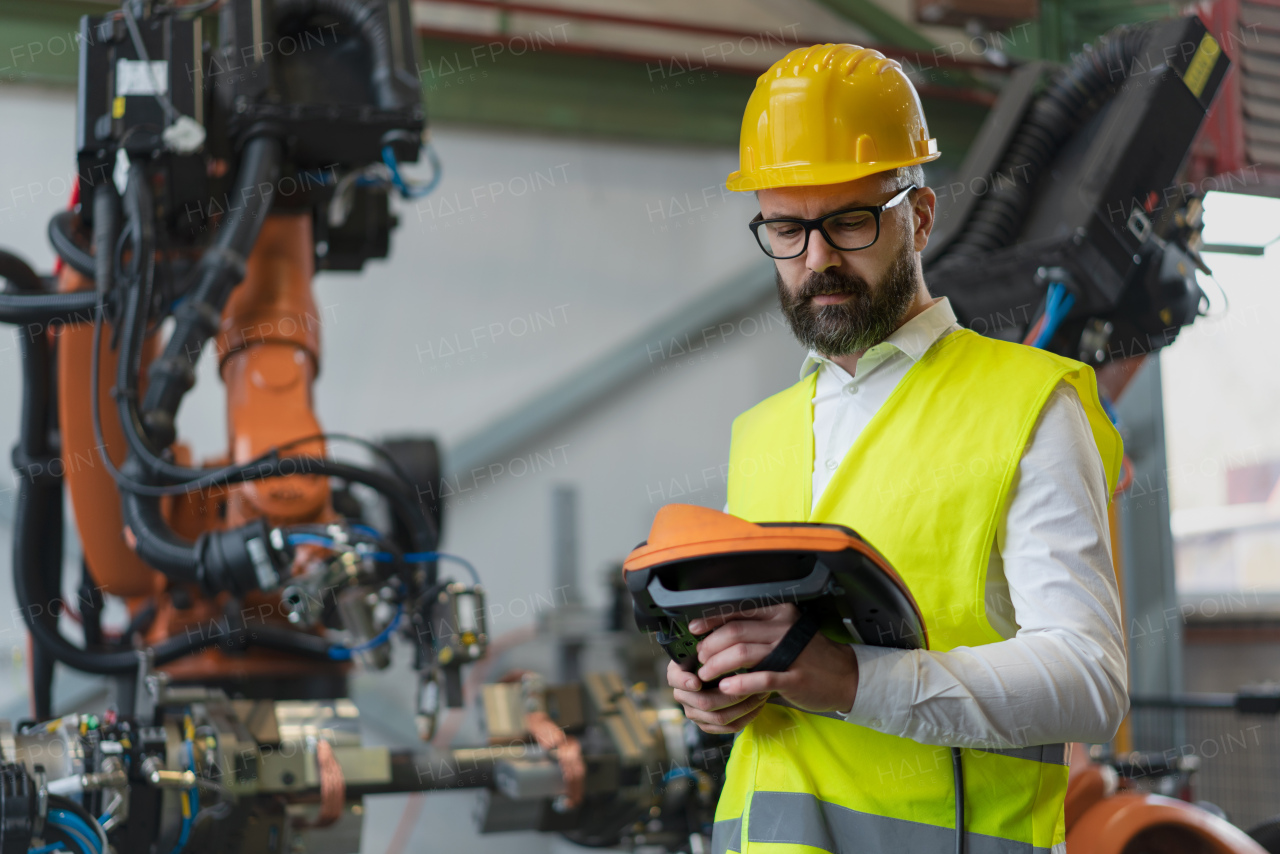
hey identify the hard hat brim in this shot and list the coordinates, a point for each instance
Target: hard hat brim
(809, 175)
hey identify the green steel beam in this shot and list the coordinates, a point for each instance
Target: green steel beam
(39, 42)
(883, 25)
(890, 30)
(1065, 26)
(955, 125)
(668, 100)
(596, 96)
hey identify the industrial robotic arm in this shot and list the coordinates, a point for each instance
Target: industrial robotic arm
(213, 183)
(216, 176)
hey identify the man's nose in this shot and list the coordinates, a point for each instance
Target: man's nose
(820, 255)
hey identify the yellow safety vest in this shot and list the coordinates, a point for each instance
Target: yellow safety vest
(926, 483)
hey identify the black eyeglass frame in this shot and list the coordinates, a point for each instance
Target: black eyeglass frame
(810, 225)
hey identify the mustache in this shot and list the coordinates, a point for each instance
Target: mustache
(830, 282)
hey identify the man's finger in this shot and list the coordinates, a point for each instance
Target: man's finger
(764, 681)
(678, 677)
(707, 622)
(738, 656)
(706, 700)
(728, 714)
(737, 726)
(739, 632)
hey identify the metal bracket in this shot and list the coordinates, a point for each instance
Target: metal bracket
(148, 686)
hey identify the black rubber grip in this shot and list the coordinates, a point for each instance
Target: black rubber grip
(791, 645)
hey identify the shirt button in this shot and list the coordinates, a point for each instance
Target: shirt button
(851, 388)
(831, 465)
(875, 722)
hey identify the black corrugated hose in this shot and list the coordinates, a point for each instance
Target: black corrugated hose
(32, 304)
(221, 268)
(38, 520)
(1073, 95)
(369, 20)
(61, 228)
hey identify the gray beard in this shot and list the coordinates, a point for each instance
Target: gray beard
(862, 321)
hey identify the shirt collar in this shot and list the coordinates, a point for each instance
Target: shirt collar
(913, 338)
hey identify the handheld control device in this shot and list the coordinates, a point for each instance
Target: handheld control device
(699, 562)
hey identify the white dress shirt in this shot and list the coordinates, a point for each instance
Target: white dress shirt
(1061, 673)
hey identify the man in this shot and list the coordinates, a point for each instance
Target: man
(981, 469)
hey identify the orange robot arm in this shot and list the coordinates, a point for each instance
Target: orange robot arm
(269, 355)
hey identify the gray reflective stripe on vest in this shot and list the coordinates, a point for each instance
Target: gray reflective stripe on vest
(726, 836)
(1054, 754)
(798, 818)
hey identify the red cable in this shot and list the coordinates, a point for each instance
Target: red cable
(1035, 330)
(1126, 475)
(71, 205)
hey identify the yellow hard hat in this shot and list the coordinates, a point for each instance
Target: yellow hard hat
(827, 114)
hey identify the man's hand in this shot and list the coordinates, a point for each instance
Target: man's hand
(713, 710)
(823, 678)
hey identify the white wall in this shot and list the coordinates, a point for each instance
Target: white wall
(37, 169)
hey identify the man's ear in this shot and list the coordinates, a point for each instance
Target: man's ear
(922, 212)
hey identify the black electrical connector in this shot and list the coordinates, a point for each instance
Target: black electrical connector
(17, 808)
(235, 560)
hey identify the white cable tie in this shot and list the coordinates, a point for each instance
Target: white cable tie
(184, 136)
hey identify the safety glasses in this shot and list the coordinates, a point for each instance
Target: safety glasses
(848, 230)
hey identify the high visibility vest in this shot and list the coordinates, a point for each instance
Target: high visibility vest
(926, 483)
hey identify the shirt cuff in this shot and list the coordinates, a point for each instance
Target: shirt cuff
(886, 687)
